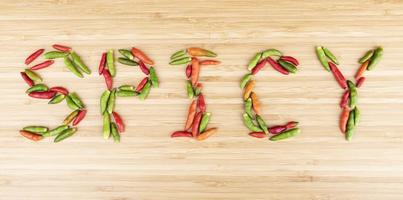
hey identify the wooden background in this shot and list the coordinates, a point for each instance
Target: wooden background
(318, 164)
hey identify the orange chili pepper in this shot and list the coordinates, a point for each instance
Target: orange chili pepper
(258, 134)
(191, 114)
(209, 132)
(31, 136)
(196, 51)
(194, 77)
(141, 56)
(210, 62)
(344, 118)
(248, 89)
(361, 70)
(255, 103)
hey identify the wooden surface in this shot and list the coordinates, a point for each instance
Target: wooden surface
(318, 164)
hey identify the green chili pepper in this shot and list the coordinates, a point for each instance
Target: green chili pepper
(57, 99)
(271, 52)
(110, 63)
(70, 117)
(366, 57)
(180, 61)
(353, 94)
(126, 93)
(254, 61)
(37, 88)
(79, 63)
(115, 133)
(32, 75)
(153, 77)
(262, 124)
(55, 54)
(178, 54)
(248, 107)
(65, 134)
(71, 67)
(249, 123)
(245, 79)
(107, 126)
(55, 131)
(145, 91)
(330, 55)
(322, 57)
(127, 87)
(111, 101)
(357, 115)
(204, 121)
(71, 104)
(127, 61)
(189, 89)
(288, 66)
(36, 129)
(76, 99)
(375, 58)
(286, 134)
(104, 100)
(350, 126)
(126, 53)
(197, 91)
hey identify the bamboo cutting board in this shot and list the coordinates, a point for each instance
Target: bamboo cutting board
(318, 164)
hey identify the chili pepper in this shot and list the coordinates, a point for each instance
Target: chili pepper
(36, 129)
(71, 104)
(330, 55)
(145, 91)
(271, 52)
(144, 68)
(258, 134)
(198, 89)
(375, 58)
(204, 121)
(360, 81)
(255, 103)
(188, 71)
(344, 118)
(248, 107)
(79, 63)
(55, 131)
(32, 136)
(126, 93)
(277, 66)
(37, 88)
(76, 100)
(344, 99)
(80, 116)
(32, 75)
(141, 56)
(262, 124)
(72, 68)
(108, 79)
(126, 53)
(111, 101)
(259, 66)
(42, 95)
(141, 85)
(110, 63)
(189, 89)
(115, 133)
(196, 124)
(209, 132)
(180, 61)
(288, 66)
(350, 126)
(361, 70)
(248, 89)
(181, 134)
(104, 100)
(127, 87)
(191, 114)
(196, 51)
(366, 57)
(127, 61)
(65, 134)
(201, 104)
(290, 59)
(338, 75)
(322, 57)
(245, 79)
(277, 129)
(353, 94)
(210, 62)
(357, 115)
(195, 71)
(27, 79)
(254, 61)
(70, 117)
(286, 134)
(291, 124)
(106, 126)
(249, 123)
(178, 54)
(42, 65)
(33, 56)
(153, 77)
(61, 47)
(102, 65)
(55, 54)
(60, 90)
(57, 99)
(119, 122)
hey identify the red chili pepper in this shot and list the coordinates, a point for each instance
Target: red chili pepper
(210, 62)
(259, 66)
(277, 129)
(189, 70)
(181, 134)
(277, 66)
(141, 85)
(108, 78)
(33, 56)
(290, 60)
(42, 95)
(196, 124)
(43, 65)
(360, 81)
(258, 134)
(101, 67)
(31, 136)
(80, 116)
(338, 75)
(141, 56)
(344, 99)
(27, 79)
(59, 89)
(201, 104)
(291, 124)
(119, 122)
(61, 47)
(144, 68)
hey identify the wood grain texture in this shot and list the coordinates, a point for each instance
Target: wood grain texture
(318, 164)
